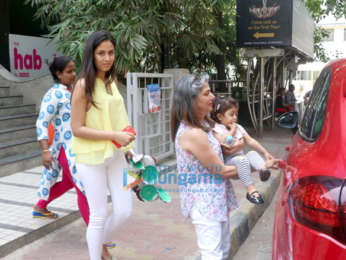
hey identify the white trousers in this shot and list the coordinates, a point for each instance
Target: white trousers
(213, 237)
(97, 179)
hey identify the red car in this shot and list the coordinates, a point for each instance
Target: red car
(310, 213)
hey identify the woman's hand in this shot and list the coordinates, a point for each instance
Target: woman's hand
(123, 138)
(47, 159)
(236, 147)
(230, 173)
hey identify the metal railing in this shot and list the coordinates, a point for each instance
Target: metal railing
(153, 129)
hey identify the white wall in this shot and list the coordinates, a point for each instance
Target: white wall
(334, 49)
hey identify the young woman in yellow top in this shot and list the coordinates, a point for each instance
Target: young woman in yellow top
(98, 116)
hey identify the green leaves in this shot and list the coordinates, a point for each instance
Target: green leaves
(153, 34)
(134, 25)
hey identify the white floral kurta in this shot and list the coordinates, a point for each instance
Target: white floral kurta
(56, 109)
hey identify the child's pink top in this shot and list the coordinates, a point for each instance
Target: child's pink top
(239, 133)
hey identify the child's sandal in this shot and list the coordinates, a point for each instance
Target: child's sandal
(255, 199)
(264, 175)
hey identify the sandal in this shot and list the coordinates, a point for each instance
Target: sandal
(255, 199)
(43, 213)
(110, 245)
(264, 175)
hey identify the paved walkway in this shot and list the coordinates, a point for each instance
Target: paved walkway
(154, 231)
(258, 245)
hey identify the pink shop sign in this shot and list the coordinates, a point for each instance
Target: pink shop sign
(30, 56)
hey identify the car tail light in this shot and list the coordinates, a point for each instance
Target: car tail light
(319, 202)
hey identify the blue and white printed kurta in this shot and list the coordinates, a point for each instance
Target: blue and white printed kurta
(56, 109)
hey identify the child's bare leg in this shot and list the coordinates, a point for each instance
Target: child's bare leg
(251, 188)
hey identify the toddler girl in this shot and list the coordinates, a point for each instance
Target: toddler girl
(228, 132)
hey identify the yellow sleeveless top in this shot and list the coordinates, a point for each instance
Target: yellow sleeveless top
(110, 114)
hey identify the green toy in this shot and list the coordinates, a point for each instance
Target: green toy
(148, 192)
(150, 174)
(143, 169)
(164, 196)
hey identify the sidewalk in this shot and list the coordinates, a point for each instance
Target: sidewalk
(154, 231)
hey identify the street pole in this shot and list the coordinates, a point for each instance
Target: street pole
(261, 99)
(274, 93)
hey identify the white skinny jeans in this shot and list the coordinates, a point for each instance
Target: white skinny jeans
(213, 237)
(96, 179)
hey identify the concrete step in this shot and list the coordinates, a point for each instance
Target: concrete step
(21, 162)
(17, 110)
(11, 100)
(15, 147)
(17, 133)
(4, 91)
(17, 120)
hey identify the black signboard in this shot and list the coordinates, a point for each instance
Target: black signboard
(264, 23)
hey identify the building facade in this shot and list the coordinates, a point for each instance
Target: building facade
(334, 46)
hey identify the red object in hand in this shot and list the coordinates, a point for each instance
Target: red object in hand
(128, 129)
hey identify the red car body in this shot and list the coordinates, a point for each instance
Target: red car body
(310, 213)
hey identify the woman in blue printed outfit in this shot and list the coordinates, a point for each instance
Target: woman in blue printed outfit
(56, 109)
(205, 195)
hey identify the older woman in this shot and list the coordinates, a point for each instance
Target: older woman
(206, 193)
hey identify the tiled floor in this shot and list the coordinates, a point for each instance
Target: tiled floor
(18, 196)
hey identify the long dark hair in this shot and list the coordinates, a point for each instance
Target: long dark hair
(88, 69)
(221, 105)
(58, 64)
(183, 107)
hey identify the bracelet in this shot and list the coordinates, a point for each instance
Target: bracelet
(45, 150)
